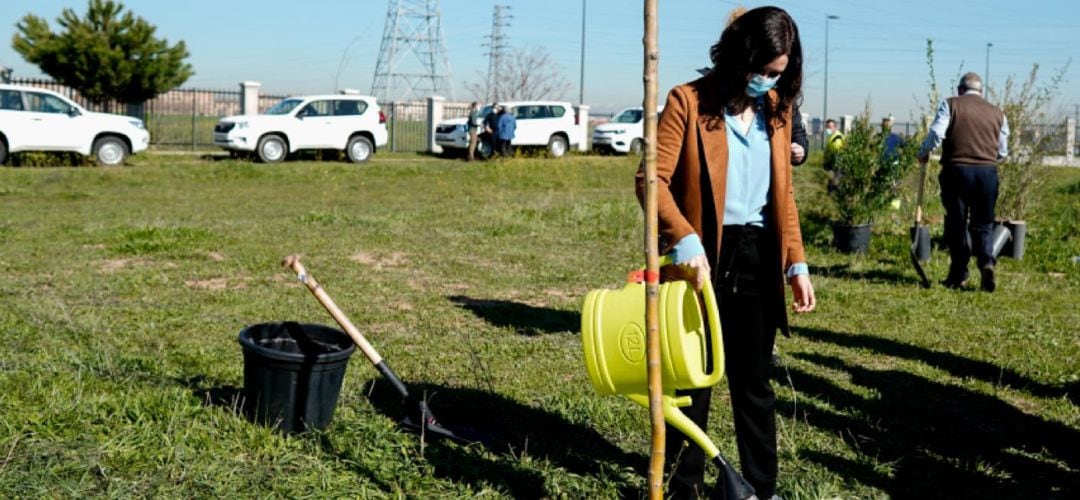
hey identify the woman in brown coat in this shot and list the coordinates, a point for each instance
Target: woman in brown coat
(727, 213)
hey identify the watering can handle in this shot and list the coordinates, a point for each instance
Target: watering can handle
(712, 315)
(712, 309)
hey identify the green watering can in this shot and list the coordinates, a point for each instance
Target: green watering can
(691, 353)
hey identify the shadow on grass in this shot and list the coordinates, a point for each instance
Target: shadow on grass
(523, 318)
(940, 441)
(229, 397)
(872, 275)
(816, 228)
(957, 366)
(512, 432)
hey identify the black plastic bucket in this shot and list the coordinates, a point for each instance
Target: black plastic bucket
(293, 373)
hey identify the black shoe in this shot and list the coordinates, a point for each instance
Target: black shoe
(988, 283)
(954, 283)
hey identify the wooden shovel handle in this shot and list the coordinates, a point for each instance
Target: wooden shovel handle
(919, 196)
(293, 262)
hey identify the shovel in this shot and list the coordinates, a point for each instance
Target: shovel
(918, 230)
(418, 416)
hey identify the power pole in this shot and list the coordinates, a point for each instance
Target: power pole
(497, 44)
(581, 84)
(413, 28)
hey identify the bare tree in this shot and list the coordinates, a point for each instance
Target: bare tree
(529, 73)
(1026, 105)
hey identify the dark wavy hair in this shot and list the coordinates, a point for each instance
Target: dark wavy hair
(751, 41)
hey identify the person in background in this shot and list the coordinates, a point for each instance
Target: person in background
(893, 141)
(491, 125)
(974, 137)
(800, 144)
(475, 124)
(504, 133)
(727, 213)
(834, 140)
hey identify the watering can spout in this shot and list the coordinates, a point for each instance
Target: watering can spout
(677, 419)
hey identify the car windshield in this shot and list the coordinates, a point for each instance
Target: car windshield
(284, 107)
(628, 116)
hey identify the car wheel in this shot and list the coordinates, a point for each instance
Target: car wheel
(636, 146)
(3, 152)
(271, 149)
(110, 151)
(359, 149)
(485, 148)
(557, 146)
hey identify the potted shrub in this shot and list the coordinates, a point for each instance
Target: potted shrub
(1025, 105)
(866, 176)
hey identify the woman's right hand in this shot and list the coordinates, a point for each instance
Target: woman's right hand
(700, 266)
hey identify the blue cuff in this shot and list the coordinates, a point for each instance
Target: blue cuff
(687, 248)
(797, 269)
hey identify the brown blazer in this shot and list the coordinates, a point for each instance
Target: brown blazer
(681, 135)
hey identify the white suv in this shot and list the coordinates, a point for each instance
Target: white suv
(352, 123)
(623, 134)
(33, 119)
(549, 124)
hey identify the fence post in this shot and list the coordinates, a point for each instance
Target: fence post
(249, 98)
(193, 108)
(434, 116)
(1070, 139)
(393, 126)
(583, 126)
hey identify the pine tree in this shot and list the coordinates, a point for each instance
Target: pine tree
(108, 54)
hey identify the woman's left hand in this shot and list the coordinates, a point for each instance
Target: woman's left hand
(803, 291)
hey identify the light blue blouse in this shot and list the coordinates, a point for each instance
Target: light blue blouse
(749, 175)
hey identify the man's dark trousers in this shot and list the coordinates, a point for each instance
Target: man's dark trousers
(969, 194)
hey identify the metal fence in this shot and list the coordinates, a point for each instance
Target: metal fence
(406, 125)
(186, 117)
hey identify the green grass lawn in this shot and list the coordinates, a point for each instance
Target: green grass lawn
(125, 289)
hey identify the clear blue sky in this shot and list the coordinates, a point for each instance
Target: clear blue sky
(877, 48)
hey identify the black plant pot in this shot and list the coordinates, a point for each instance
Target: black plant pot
(293, 373)
(851, 239)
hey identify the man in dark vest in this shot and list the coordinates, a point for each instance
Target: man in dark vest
(974, 134)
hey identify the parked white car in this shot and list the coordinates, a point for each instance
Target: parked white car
(549, 124)
(348, 122)
(33, 119)
(623, 134)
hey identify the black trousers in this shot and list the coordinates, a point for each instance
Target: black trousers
(502, 146)
(969, 194)
(746, 277)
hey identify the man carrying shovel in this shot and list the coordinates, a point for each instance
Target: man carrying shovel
(973, 133)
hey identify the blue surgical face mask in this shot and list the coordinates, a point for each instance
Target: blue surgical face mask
(760, 85)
